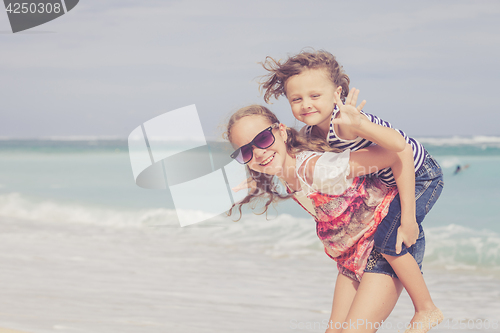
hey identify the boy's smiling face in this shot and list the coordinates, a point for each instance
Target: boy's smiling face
(311, 96)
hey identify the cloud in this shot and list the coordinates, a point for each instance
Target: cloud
(111, 58)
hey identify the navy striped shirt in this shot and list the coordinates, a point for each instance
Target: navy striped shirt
(385, 175)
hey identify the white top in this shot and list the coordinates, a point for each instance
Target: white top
(330, 175)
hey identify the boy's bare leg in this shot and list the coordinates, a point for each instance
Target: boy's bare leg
(406, 268)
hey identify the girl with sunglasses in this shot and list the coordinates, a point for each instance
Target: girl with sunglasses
(346, 207)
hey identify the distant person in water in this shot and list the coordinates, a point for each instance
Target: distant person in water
(459, 168)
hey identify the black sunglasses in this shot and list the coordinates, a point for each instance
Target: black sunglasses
(263, 140)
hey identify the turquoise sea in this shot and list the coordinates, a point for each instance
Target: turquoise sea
(83, 249)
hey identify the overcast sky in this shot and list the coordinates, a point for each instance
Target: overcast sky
(432, 68)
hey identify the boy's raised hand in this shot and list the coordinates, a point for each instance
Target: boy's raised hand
(349, 114)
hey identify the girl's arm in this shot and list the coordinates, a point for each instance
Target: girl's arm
(372, 159)
(351, 123)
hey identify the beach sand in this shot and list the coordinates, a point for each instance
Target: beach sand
(7, 330)
(87, 278)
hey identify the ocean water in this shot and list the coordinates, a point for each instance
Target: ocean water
(83, 249)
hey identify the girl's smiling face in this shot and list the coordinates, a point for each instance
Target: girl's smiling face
(311, 96)
(271, 160)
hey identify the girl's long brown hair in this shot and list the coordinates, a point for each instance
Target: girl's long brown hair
(266, 186)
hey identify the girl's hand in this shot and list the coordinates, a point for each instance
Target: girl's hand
(408, 234)
(349, 114)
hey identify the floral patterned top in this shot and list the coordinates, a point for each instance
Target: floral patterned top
(347, 211)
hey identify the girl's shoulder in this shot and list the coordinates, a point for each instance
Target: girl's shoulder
(310, 160)
(305, 162)
(324, 172)
(304, 156)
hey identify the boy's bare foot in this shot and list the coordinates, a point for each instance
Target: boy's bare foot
(425, 320)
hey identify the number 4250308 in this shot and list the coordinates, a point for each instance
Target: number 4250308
(32, 8)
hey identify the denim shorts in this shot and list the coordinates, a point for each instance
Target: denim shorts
(428, 186)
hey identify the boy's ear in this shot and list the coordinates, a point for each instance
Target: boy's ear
(339, 90)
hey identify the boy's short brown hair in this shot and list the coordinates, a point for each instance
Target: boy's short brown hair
(273, 84)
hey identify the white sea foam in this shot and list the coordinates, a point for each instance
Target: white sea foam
(15, 205)
(453, 247)
(280, 236)
(449, 162)
(460, 248)
(66, 138)
(461, 140)
(82, 138)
